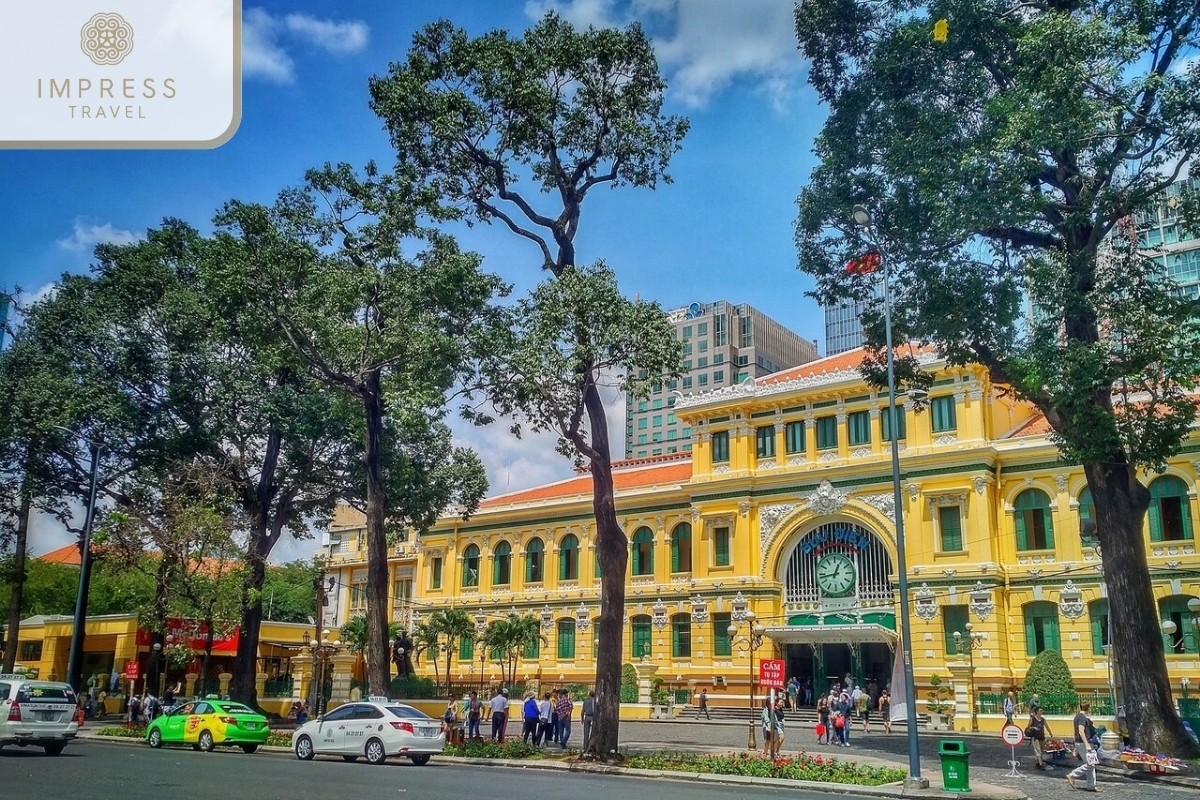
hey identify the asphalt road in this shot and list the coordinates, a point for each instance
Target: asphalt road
(96, 771)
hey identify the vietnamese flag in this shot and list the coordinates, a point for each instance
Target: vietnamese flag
(865, 264)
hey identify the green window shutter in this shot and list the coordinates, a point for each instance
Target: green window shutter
(885, 421)
(497, 567)
(1156, 532)
(1050, 626)
(721, 547)
(675, 555)
(954, 618)
(765, 441)
(596, 559)
(860, 427)
(1098, 613)
(827, 433)
(435, 569)
(950, 528)
(566, 639)
(675, 648)
(1048, 520)
(795, 437)
(533, 648)
(1030, 634)
(1019, 522)
(1087, 509)
(720, 447)
(722, 646)
(466, 648)
(943, 416)
(1187, 517)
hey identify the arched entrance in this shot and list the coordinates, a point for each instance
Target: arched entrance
(839, 606)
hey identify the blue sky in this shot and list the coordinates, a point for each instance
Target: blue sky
(722, 230)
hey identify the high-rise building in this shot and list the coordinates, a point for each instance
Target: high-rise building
(843, 323)
(1161, 232)
(723, 345)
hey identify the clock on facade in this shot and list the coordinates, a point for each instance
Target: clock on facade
(835, 575)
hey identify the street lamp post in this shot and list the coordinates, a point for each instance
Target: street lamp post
(967, 645)
(750, 643)
(863, 220)
(75, 657)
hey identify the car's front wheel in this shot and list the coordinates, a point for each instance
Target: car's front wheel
(420, 761)
(54, 748)
(375, 752)
(304, 749)
(155, 738)
(206, 742)
(249, 748)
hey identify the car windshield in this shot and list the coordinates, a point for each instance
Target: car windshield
(407, 712)
(45, 693)
(236, 708)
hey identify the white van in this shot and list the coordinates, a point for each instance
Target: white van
(38, 713)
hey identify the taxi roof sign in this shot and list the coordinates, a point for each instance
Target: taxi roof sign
(377, 698)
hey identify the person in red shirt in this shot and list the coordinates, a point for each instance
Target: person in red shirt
(564, 707)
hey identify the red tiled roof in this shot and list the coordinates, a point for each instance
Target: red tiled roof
(849, 360)
(626, 475)
(1036, 425)
(68, 555)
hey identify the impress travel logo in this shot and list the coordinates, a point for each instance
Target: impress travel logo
(133, 74)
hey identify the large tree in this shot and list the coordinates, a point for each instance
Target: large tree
(498, 126)
(331, 266)
(998, 144)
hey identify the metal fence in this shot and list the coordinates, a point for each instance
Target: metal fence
(280, 686)
(1058, 703)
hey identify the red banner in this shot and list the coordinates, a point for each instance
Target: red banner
(770, 673)
(194, 634)
(132, 672)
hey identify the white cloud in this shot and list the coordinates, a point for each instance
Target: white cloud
(86, 235)
(264, 38)
(704, 45)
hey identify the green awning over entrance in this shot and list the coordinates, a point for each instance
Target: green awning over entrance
(831, 632)
(885, 619)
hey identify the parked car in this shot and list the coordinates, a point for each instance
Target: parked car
(38, 713)
(205, 724)
(374, 730)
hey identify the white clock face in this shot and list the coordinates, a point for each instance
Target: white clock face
(835, 575)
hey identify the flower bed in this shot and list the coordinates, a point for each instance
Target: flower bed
(475, 748)
(124, 733)
(801, 767)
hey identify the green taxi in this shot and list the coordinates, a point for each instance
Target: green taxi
(205, 724)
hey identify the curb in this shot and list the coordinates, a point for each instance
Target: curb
(887, 790)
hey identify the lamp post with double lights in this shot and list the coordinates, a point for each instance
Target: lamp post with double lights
(322, 653)
(750, 643)
(967, 645)
(160, 662)
(865, 223)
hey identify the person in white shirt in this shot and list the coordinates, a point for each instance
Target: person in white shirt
(499, 708)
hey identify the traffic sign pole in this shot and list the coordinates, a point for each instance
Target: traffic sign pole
(1012, 736)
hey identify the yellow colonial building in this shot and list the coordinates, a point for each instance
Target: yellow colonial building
(784, 509)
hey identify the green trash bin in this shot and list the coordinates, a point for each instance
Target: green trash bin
(956, 771)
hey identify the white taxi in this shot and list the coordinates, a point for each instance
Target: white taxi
(373, 730)
(38, 713)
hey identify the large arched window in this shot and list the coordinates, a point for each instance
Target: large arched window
(1041, 627)
(535, 561)
(568, 558)
(643, 552)
(1101, 633)
(1170, 512)
(470, 562)
(681, 636)
(502, 565)
(566, 639)
(1035, 528)
(681, 548)
(639, 633)
(1183, 639)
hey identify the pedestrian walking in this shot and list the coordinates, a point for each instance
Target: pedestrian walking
(823, 725)
(885, 710)
(768, 727)
(844, 720)
(1036, 731)
(864, 711)
(779, 737)
(531, 719)
(499, 708)
(1010, 708)
(1085, 732)
(564, 708)
(703, 709)
(589, 715)
(793, 690)
(474, 715)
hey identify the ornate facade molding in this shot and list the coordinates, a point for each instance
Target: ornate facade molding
(982, 603)
(658, 615)
(1070, 601)
(583, 618)
(826, 499)
(738, 608)
(981, 483)
(946, 439)
(768, 517)
(883, 503)
(699, 611)
(925, 603)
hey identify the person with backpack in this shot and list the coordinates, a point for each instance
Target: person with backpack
(1085, 747)
(1036, 731)
(1010, 708)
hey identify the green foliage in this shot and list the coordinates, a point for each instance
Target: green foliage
(939, 697)
(287, 594)
(123, 733)
(801, 767)
(51, 589)
(509, 638)
(629, 678)
(1049, 675)
(481, 748)
(412, 687)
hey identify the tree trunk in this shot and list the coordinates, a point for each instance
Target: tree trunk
(244, 686)
(1121, 502)
(208, 646)
(612, 548)
(19, 574)
(378, 677)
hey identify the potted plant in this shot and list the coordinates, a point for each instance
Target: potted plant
(941, 710)
(660, 699)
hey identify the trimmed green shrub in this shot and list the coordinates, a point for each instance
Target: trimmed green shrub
(1049, 677)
